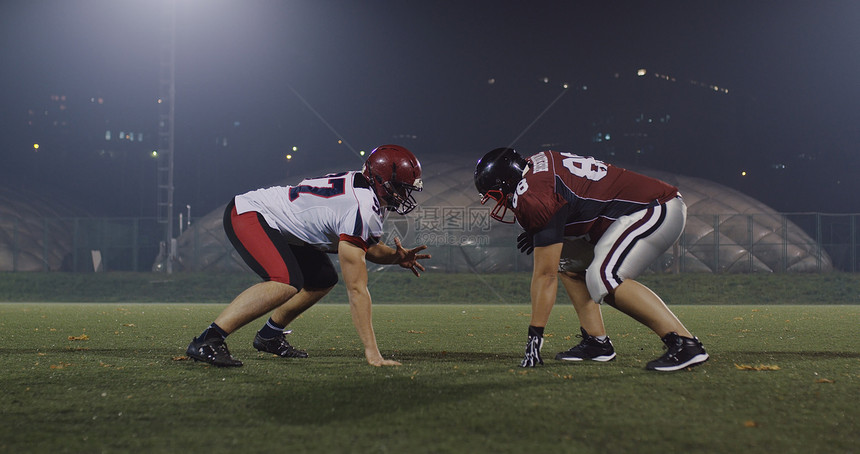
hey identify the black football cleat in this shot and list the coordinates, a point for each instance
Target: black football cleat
(589, 349)
(212, 351)
(681, 352)
(278, 345)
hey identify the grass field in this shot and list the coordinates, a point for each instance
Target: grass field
(432, 288)
(113, 378)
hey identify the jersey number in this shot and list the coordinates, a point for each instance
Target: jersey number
(336, 187)
(522, 187)
(584, 166)
(581, 166)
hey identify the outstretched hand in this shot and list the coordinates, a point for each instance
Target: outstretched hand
(408, 258)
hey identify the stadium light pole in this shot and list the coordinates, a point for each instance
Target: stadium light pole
(167, 92)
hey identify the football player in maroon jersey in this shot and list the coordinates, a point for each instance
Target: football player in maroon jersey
(598, 226)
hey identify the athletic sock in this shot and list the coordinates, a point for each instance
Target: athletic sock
(601, 338)
(213, 331)
(536, 331)
(271, 329)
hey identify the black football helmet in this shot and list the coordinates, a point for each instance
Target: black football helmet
(496, 177)
(394, 172)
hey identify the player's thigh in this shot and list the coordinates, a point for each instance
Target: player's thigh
(316, 266)
(576, 256)
(632, 243)
(262, 248)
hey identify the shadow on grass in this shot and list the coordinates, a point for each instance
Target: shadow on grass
(465, 357)
(328, 400)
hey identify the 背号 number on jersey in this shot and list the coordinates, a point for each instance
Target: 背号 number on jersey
(585, 166)
(336, 187)
(580, 166)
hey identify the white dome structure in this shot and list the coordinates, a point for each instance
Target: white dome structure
(35, 232)
(726, 232)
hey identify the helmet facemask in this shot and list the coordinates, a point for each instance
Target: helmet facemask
(398, 196)
(502, 204)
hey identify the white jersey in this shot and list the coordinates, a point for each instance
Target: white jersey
(320, 212)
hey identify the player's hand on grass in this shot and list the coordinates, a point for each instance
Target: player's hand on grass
(386, 362)
(525, 243)
(408, 258)
(376, 359)
(532, 357)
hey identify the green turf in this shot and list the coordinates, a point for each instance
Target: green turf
(436, 288)
(112, 378)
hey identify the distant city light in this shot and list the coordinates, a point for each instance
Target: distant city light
(154, 153)
(295, 149)
(743, 173)
(35, 147)
(491, 81)
(361, 152)
(641, 72)
(289, 157)
(545, 80)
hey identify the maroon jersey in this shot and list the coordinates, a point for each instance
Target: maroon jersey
(597, 193)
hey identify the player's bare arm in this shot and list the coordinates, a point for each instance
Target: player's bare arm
(354, 271)
(406, 258)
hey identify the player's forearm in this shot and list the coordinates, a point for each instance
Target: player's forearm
(382, 254)
(362, 318)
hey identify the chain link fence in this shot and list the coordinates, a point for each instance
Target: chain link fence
(732, 243)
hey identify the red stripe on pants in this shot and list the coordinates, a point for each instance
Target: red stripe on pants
(256, 241)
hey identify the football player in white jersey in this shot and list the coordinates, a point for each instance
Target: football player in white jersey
(284, 234)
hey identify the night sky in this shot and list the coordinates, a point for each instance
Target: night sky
(273, 74)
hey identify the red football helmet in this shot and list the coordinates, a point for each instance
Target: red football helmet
(394, 173)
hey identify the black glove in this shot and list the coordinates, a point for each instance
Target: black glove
(532, 357)
(525, 243)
